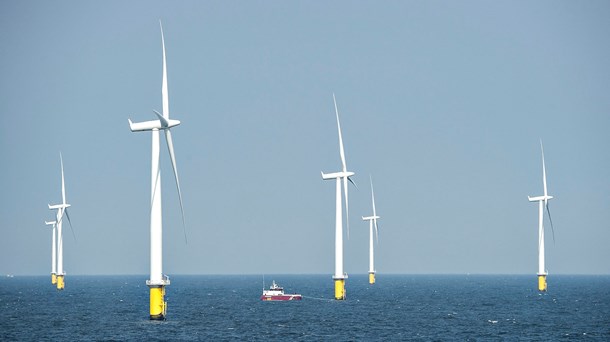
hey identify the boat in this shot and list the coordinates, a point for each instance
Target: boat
(276, 292)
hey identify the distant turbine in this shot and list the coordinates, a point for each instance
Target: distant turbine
(340, 276)
(53, 252)
(62, 209)
(372, 222)
(542, 204)
(158, 281)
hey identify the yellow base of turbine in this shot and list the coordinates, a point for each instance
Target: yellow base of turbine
(158, 305)
(372, 278)
(60, 282)
(541, 282)
(339, 289)
(53, 278)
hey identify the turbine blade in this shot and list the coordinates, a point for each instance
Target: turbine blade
(373, 198)
(551, 221)
(61, 216)
(346, 205)
(63, 186)
(164, 93)
(70, 222)
(351, 181)
(341, 151)
(543, 171)
(163, 120)
(170, 147)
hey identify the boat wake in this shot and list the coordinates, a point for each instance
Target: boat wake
(317, 298)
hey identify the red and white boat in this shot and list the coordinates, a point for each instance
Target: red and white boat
(276, 292)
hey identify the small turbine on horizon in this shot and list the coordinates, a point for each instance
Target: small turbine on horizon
(341, 176)
(543, 203)
(372, 222)
(62, 209)
(158, 281)
(53, 251)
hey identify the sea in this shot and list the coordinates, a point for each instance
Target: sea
(228, 308)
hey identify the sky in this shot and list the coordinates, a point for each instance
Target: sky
(442, 103)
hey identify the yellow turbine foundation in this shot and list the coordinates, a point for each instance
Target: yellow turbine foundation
(158, 305)
(372, 278)
(60, 282)
(542, 282)
(339, 289)
(53, 278)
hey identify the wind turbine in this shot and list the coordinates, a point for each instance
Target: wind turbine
(53, 251)
(158, 281)
(372, 221)
(543, 202)
(62, 209)
(343, 175)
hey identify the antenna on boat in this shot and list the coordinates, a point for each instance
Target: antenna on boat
(263, 281)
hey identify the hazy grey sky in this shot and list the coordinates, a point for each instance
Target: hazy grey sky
(442, 102)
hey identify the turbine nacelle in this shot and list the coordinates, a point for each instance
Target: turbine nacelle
(334, 175)
(59, 206)
(50, 223)
(152, 125)
(370, 218)
(539, 198)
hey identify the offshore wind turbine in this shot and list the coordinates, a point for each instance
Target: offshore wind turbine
(543, 203)
(158, 281)
(53, 251)
(341, 176)
(62, 209)
(372, 222)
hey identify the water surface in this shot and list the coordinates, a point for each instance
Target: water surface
(397, 307)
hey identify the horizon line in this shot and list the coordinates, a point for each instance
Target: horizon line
(9, 275)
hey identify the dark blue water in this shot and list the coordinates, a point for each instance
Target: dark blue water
(398, 307)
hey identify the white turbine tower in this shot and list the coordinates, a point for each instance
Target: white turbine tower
(343, 175)
(53, 252)
(62, 209)
(542, 204)
(372, 222)
(158, 281)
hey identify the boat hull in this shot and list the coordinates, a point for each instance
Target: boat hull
(281, 297)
